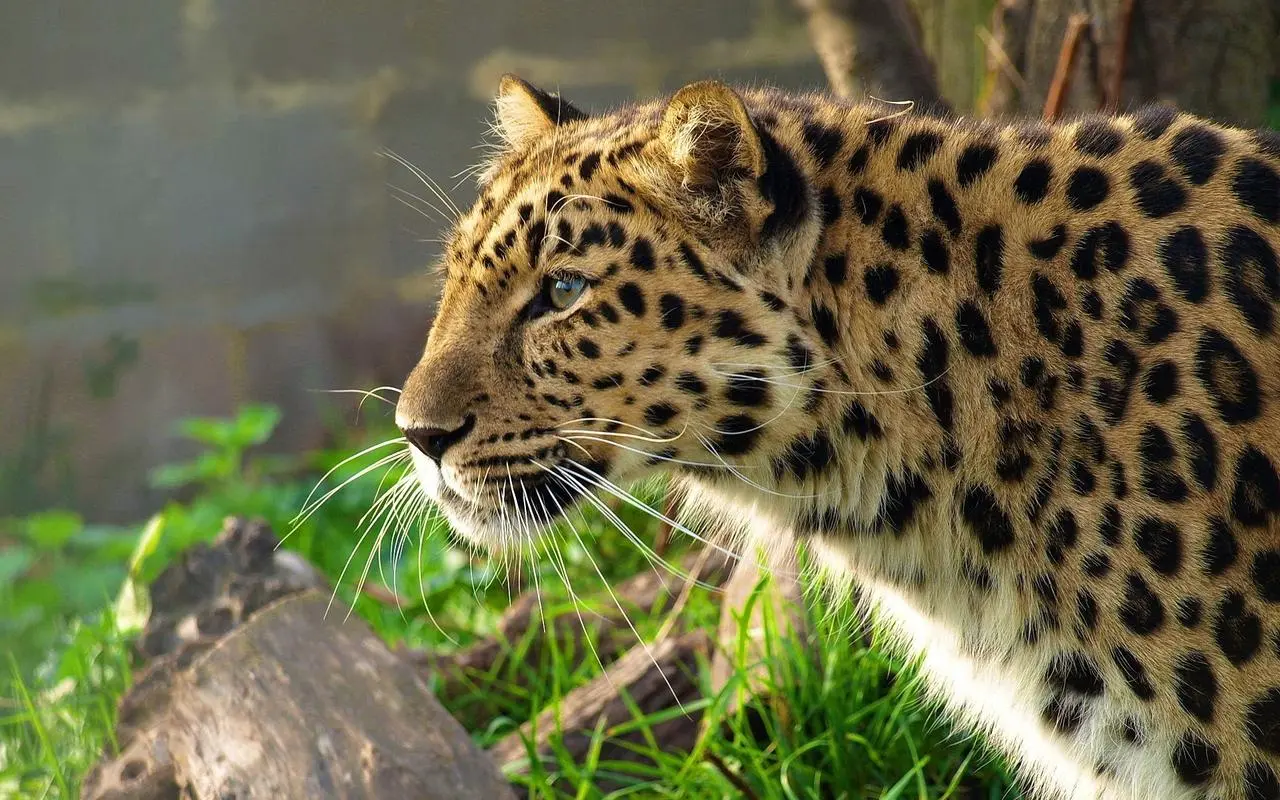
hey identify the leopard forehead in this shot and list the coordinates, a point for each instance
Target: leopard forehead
(1057, 343)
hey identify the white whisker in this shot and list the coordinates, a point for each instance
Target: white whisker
(433, 518)
(595, 478)
(426, 181)
(580, 479)
(638, 451)
(396, 441)
(850, 392)
(706, 443)
(627, 618)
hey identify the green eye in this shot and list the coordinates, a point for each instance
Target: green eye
(565, 291)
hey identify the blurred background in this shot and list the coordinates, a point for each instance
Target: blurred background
(198, 212)
(208, 226)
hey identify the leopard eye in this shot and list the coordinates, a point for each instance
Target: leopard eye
(563, 292)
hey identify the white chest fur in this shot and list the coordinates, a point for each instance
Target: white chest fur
(973, 665)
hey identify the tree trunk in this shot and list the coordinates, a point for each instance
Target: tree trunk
(873, 46)
(1216, 58)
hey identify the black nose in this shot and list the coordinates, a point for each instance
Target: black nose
(433, 442)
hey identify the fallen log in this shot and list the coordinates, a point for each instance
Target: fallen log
(294, 703)
(257, 687)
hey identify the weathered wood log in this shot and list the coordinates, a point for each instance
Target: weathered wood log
(246, 688)
(654, 678)
(300, 703)
(212, 588)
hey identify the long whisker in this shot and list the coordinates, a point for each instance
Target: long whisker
(609, 420)
(627, 618)
(365, 394)
(636, 450)
(591, 476)
(405, 512)
(528, 529)
(751, 365)
(404, 195)
(710, 448)
(554, 556)
(378, 493)
(426, 181)
(396, 441)
(849, 392)
(434, 519)
(609, 514)
(379, 506)
(637, 437)
(399, 494)
(584, 483)
(402, 495)
(386, 461)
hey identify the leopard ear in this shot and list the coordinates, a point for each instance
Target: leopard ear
(709, 137)
(525, 112)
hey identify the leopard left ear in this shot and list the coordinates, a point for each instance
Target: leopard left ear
(525, 112)
(709, 137)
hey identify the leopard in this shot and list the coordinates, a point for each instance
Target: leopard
(1015, 380)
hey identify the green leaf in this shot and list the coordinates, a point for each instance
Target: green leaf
(147, 543)
(13, 562)
(37, 593)
(82, 589)
(51, 529)
(133, 604)
(255, 424)
(207, 467)
(102, 544)
(207, 430)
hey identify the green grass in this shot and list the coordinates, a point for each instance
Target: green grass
(848, 724)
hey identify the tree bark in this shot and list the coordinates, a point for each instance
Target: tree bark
(873, 46)
(1215, 58)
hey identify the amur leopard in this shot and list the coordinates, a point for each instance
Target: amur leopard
(1020, 383)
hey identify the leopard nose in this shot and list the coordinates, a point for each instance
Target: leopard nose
(433, 442)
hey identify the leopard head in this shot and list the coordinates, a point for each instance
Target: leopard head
(615, 303)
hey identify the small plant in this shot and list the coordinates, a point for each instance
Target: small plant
(222, 463)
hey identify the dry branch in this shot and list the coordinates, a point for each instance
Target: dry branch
(653, 678)
(1198, 56)
(458, 673)
(1006, 56)
(1061, 85)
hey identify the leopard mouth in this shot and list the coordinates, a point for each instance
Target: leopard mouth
(508, 511)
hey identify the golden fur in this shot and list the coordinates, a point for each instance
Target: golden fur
(1020, 383)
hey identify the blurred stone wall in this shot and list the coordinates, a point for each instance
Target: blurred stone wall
(195, 213)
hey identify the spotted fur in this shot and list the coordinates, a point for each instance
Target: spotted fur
(1019, 382)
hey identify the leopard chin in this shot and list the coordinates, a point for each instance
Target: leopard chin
(514, 514)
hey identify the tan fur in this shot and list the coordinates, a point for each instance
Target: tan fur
(948, 439)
